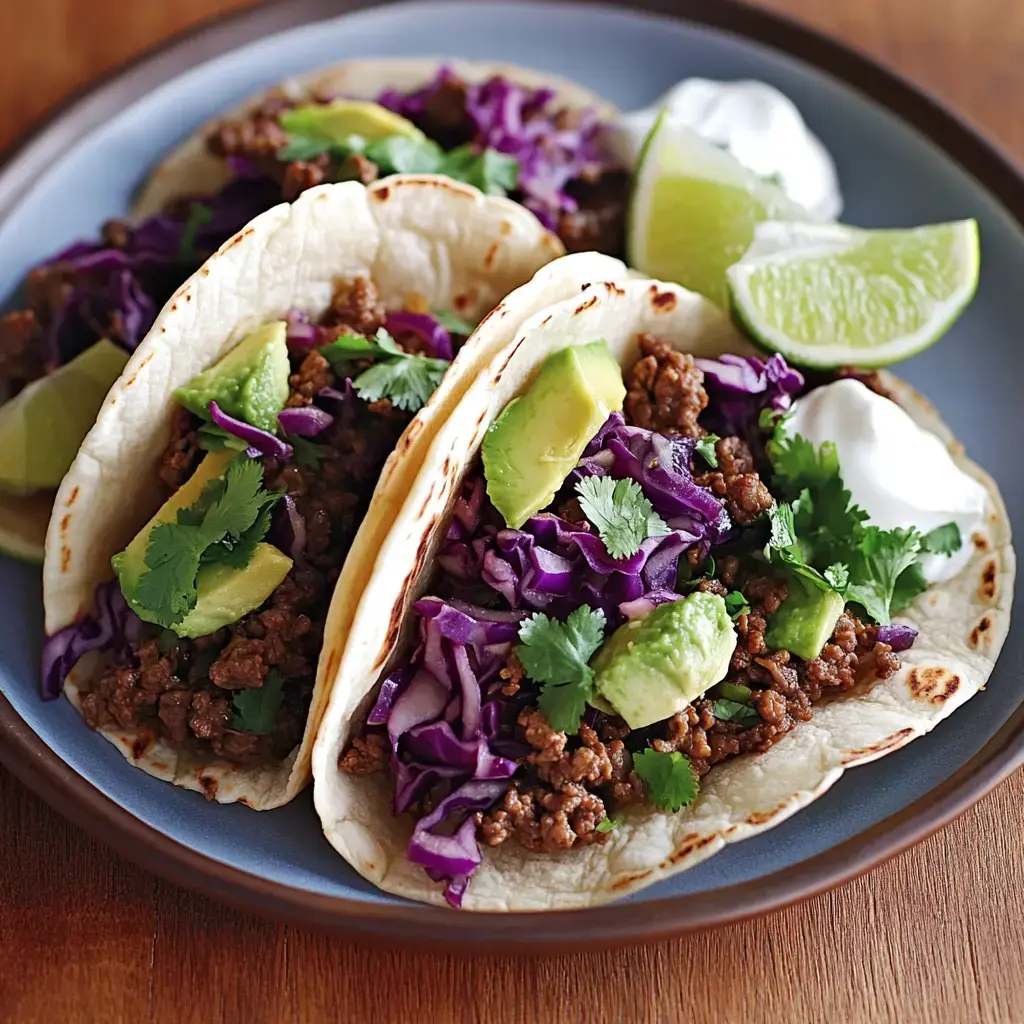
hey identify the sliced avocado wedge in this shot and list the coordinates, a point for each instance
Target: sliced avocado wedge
(249, 383)
(341, 118)
(806, 619)
(539, 437)
(652, 667)
(226, 594)
(43, 426)
(130, 564)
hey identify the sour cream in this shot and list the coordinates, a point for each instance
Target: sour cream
(759, 126)
(900, 474)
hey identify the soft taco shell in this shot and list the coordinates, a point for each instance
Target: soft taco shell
(962, 625)
(422, 236)
(192, 170)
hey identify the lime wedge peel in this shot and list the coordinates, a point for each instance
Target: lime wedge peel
(825, 295)
(694, 209)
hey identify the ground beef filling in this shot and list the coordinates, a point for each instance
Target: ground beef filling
(598, 222)
(182, 688)
(567, 785)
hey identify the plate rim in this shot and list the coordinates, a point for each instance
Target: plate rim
(25, 754)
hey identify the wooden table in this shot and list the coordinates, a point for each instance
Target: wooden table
(935, 935)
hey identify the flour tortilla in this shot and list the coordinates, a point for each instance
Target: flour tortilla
(192, 170)
(422, 236)
(962, 625)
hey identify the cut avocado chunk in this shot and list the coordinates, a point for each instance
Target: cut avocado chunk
(43, 426)
(249, 383)
(226, 594)
(539, 437)
(652, 667)
(806, 619)
(341, 118)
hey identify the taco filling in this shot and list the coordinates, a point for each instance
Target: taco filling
(501, 137)
(649, 573)
(214, 623)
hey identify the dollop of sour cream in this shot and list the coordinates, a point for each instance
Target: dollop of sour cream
(899, 473)
(760, 126)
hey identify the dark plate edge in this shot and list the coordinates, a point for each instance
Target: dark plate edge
(24, 753)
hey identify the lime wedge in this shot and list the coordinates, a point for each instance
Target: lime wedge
(341, 118)
(825, 295)
(693, 209)
(42, 427)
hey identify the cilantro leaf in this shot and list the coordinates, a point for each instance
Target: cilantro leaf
(348, 347)
(609, 824)
(307, 453)
(198, 215)
(490, 171)
(307, 147)
(231, 514)
(880, 558)
(797, 465)
(622, 514)
(909, 584)
(212, 438)
(943, 540)
(669, 779)
(399, 154)
(786, 550)
(736, 604)
(408, 382)
(555, 654)
(706, 449)
(453, 322)
(256, 707)
(734, 711)
(838, 576)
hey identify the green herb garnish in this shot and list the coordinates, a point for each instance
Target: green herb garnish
(555, 654)
(706, 449)
(609, 824)
(256, 707)
(734, 711)
(669, 778)
(454, 323)
(737, 604)
(307, 453)
(198, 215)
(622, 514)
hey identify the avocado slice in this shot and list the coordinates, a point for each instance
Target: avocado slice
(652, 667)
(805, 620)
(249, 383)
(341, 118)
(43, 426)
(226, 594)
(530, 449)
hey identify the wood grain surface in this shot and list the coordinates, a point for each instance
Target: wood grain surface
(935, 935)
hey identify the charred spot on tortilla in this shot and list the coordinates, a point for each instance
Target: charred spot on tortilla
(586, 305)
(664, 302)
(988, 581)
(690, 843)
(209, 786)
(381, 193)
(333, 662)
(65, 522)
(65, 557)
(505, 227)
(205, 271)
(501, 369)
(131, 380)
(73, 497)
(932, 683)
(140, 744)
(412, 432)
(979, 631)
(893, 742)
(628, 880)
(491, 255)
(240, 237)
(613, 289)
(980, 541)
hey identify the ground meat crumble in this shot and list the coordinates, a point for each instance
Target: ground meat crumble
(184, 687)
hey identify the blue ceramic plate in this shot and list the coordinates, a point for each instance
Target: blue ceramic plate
(892, 174)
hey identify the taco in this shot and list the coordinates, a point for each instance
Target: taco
(592, 653)
(229, 475)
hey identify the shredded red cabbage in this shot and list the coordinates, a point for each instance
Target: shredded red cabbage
(552, 149)
(426, 327)
(113, 627)
(740, 387)
(306, 421)
(260, 441)
(898, 636)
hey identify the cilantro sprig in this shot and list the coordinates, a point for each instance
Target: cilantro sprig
(736, 604)
(555, 654)
(622, 514)
(669, 778)
(407, 380)
(735, 711)
(226, 522)
(256, 708)
(488, 170)
(820, 525)
(706, 449)
(609, 824)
